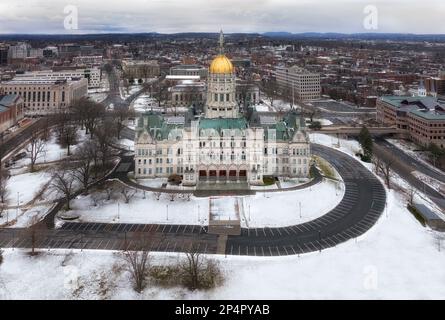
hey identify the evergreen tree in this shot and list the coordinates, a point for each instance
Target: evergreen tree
(365, 141)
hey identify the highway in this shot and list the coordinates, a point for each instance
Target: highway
(404, 165)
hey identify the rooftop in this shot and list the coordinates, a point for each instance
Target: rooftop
(425, 107)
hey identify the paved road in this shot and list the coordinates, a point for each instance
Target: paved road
(360, 208)
(114, 96)
(405, 168)
(358, 211)
(10, 144)
(410, 161)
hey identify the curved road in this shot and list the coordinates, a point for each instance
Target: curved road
(362, 205)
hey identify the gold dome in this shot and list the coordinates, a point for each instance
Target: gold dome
(221, 64)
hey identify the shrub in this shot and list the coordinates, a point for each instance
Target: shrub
(166, 276)
(205, 275)
(175, 179)
(365, 157)
(416, 214)
(316, 125)
(268, 181)
(325, 168)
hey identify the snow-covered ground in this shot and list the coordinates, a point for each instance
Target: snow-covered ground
(429, 181)
(323, 122)
(261, 108)
(25, 186)
(291, 182)
(52, 150)
(153, 183)
(279, 209)
(397, 259)
(131, 90)
(98, 96)
(140, 210)
(261, 208)
(146, 103)
(278, 105)
(126, 143)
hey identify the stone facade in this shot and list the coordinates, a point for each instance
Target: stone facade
(43, 96)
(221, 146)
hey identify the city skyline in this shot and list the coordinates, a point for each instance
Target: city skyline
(343, 16)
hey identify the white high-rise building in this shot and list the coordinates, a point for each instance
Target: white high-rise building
(305, 84)
(19, 51)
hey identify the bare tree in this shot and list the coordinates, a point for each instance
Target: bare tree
(384, 167)
(270, 88)
(172, 196)
(4, 191)
(83, 167)
(411, 194)
(36, 148)
(104, 137)
(157, 195)
(128, 194)
(68, 137)
(191, 268)
(88, 113)
(120, 115)
(63, 182)
(138, 261)
(160, 89)
(2, 209)
(199, 272)
(95, 198)
(34, 232)
(109, 191)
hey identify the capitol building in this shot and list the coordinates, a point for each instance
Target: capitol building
(221, 145)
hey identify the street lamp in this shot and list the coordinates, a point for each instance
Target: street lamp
(300, 208)
(18, 204)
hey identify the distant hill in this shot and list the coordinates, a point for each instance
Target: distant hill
(357, 36)
(119, 37)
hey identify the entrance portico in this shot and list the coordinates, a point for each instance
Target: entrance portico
(222, 175)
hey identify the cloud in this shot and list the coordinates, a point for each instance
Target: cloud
(169, 16)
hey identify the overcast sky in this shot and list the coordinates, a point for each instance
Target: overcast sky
(170, 16)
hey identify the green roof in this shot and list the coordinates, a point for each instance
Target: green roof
(424, 107)
(429, 115)
(156, 126)
(223, 124)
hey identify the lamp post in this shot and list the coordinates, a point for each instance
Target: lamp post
(300, 208)
(167, 212)
(18, 204)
